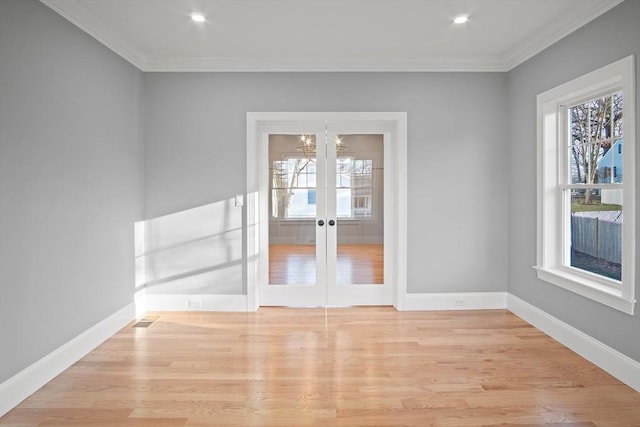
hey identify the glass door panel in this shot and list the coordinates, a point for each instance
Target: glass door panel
(296, 199)
(359, 209)
(325, 204)
(293, 206)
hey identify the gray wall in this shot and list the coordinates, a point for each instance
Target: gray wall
(608, 38)
(70, 182)
(195, 137)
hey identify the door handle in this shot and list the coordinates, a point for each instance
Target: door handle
(320, 223)
(332, 222)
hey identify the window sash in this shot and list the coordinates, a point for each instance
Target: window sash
(565, 186)
(565, 246)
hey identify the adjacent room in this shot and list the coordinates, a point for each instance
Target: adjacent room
(319, 213)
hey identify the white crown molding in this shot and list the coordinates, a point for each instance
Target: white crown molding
(558, 31)
(228, 64)
(26, 382)
(78, 15)
(88, 22)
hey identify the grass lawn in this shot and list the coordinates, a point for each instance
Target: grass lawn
(579, 207)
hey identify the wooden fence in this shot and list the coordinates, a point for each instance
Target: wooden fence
(600, 239)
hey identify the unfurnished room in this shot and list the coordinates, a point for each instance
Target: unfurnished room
(319, 213)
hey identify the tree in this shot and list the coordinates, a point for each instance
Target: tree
(595, 125)
(285, 178)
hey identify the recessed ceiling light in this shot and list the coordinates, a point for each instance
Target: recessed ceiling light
(461, 19)
(197, 17)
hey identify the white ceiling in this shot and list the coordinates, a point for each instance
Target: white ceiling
(329, 35)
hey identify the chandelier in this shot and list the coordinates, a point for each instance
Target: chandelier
(308, 145)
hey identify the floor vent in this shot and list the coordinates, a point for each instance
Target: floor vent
(143, 323)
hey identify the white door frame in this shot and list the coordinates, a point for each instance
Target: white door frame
(259, 123)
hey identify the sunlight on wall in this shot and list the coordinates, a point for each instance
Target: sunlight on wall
(195, 251)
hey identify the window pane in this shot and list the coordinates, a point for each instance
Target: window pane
(595, 140)
(301, 180)
(596, 231)
(354, 182)
(343, 202)
(362, 188)
(343, 172)
(293, 184)
(293, 201)
(617, 114)
(299, 206)
(584, 161)
(610, 168)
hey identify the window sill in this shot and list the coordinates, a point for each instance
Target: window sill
(587, 288)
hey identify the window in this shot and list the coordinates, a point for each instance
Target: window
(293, 188)
(294, 193)
(354, 182)
(586, 186)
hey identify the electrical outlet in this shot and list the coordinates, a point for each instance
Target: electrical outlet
(459, 302)
(195, 303)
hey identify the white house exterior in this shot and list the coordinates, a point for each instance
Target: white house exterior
(610, 170)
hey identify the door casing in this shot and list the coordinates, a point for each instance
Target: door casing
(261, 124)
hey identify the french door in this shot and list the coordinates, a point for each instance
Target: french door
(323, 187)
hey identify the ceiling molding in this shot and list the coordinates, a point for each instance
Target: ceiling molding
(78, 15)
(226, 64)
(558, 31)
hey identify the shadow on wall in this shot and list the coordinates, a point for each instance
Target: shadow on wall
(195, 251)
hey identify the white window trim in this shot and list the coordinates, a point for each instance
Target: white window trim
(619, 75)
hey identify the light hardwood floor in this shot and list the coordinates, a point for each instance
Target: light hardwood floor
(355, 264)
(369, 366)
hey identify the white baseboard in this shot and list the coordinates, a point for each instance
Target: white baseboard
(185, 302)
(608, 359)
(140, 301)
(29, 380)
(455, 301)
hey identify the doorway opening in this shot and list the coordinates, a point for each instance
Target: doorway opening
(326, 209)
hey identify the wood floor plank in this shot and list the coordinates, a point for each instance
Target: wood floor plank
(355, 264)
(364, 366)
